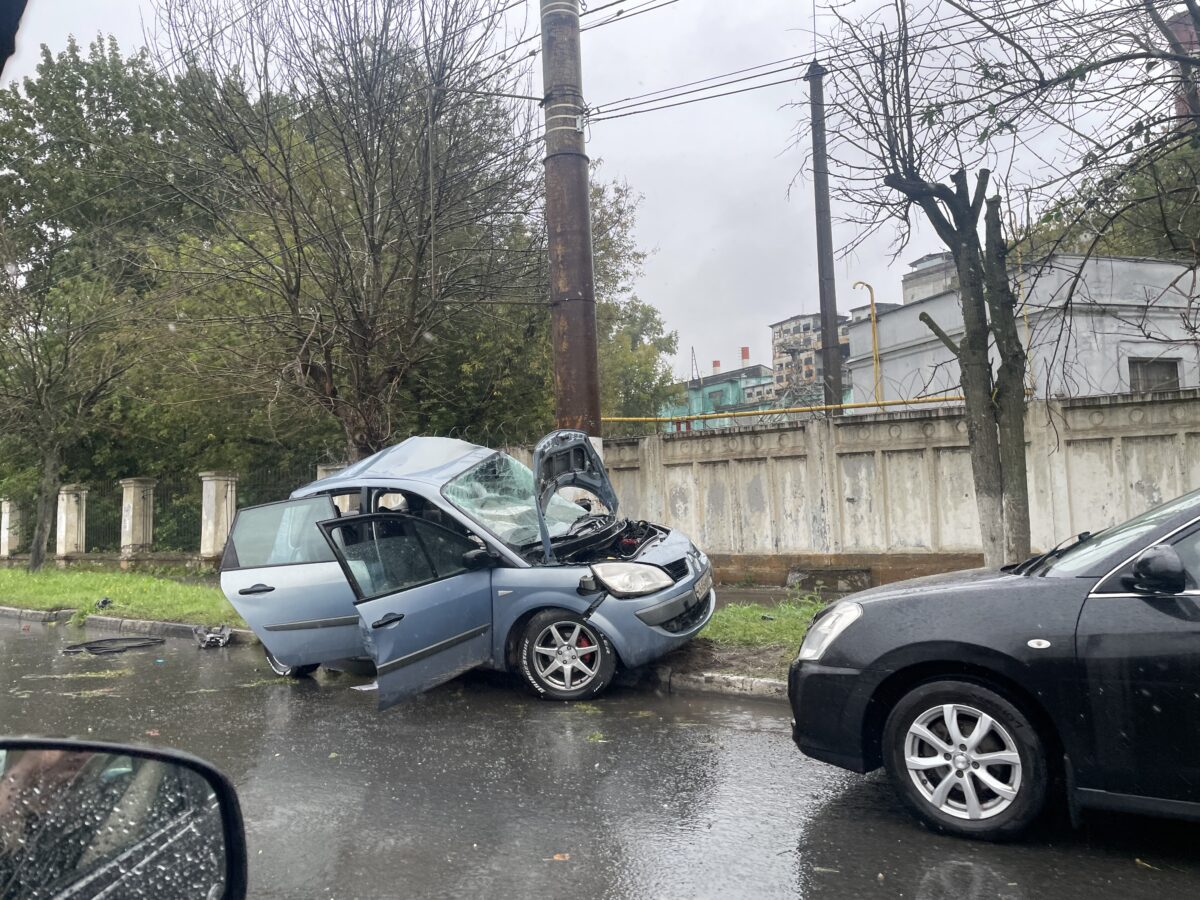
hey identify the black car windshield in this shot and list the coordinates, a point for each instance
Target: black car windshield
(1082, 558)
(499, 495)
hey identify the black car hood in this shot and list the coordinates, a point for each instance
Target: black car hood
(980, 581)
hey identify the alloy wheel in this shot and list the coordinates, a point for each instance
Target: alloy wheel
(567, 655)
(963, 761)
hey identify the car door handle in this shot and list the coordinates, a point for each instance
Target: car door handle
(257, 589)
(389, 619)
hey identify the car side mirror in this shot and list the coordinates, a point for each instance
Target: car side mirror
(1158, 570)
(103, 819)
(478, 559)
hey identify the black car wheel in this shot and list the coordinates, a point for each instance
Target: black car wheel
(286, 671)
(966, 760)
(562, 657)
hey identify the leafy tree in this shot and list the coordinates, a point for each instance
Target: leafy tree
(70, 297)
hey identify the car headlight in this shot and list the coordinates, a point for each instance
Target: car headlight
(827, 628)
(627, 579)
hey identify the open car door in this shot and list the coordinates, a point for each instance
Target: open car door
(423, 594)
(282, 578)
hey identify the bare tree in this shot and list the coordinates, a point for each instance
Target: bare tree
(902, 145)
(363, 175)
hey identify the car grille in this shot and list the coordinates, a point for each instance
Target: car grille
(678, 570)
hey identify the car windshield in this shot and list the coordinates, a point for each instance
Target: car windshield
(499, 494)
(1081, 558)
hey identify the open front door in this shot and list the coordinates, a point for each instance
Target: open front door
(282, 578)
(426, 613)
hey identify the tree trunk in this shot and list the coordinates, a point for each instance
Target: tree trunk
(1010, 387)
(45, 507)
(976, 379)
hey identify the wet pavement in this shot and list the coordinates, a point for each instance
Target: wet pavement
(478, 790)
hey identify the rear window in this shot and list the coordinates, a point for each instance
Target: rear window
(280, 534)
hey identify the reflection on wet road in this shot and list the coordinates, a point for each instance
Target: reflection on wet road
(478, 790)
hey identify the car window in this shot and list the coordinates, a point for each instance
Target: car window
(1083, 558)
(280, 534)
(1188, 548)
(386, 555)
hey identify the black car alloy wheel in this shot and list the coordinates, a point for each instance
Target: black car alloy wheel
(562, 657)
(966, 760)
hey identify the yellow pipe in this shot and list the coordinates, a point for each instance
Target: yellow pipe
(874, 338)
(741, 414)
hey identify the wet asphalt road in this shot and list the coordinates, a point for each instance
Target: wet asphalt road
(476, 790)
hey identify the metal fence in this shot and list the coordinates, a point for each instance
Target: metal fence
(177, 503)
(269, 485)
(26, 530)
(102, 528)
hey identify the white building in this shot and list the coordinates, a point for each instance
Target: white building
(1127, 325)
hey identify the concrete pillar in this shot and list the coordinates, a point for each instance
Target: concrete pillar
(71, 536)
(137, 516)
(324, 470)
(10, 529)
(218, 505)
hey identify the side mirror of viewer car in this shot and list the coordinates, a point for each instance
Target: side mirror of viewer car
(1158, 570)
(94, 819)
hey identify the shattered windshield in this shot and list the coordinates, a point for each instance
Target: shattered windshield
(499, 494)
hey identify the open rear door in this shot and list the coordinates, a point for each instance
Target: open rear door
(424, 604)
(282, 578)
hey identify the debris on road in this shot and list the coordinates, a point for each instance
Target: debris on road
(102, 646)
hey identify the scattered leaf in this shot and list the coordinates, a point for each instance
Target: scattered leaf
(333, 756)
(597, 737)
(152, 732)
(558, 857)
(1146, 865)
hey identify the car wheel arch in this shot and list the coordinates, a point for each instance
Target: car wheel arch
(512, 640)
(896, 685)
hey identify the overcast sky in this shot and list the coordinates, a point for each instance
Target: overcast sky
(731, 252)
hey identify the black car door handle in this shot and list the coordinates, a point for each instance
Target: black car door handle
(389, 619)
(257, 589)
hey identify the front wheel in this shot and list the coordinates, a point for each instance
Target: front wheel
(283, 670)
(565, 658)
(966, 760)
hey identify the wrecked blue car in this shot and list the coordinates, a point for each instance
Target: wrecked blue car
(436, 556)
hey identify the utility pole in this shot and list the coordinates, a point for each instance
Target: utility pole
(831, 350)
(568, 222)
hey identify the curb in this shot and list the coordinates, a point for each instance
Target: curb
(147, 627)
(726, 685)
(36, 615)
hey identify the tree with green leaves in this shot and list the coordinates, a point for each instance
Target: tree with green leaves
(71, 295)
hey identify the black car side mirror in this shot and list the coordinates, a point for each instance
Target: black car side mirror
(94, 819)
(1158, 570)
(478, 559)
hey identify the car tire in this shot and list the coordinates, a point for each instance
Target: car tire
(998, 780)
(557, 648)
(283, 670)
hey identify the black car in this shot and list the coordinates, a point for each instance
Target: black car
(979, 690)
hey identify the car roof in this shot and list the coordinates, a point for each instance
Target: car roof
(427, 460)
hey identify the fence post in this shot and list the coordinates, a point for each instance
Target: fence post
(71, 536)
(137, 516)
(10, 529)
(218, 505)
(324, 470)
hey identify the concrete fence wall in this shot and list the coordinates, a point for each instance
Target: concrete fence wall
(893, 493)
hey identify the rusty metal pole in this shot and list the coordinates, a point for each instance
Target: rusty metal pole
(568, 222)
(831, 349)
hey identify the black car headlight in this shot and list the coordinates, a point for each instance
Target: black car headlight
(630, 579)
(827, 628)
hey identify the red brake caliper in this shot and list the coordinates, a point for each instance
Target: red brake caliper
(583, 644)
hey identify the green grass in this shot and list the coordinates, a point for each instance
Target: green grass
(134, 596)
(761, 625)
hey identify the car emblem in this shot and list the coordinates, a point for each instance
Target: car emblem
(1038, 644)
